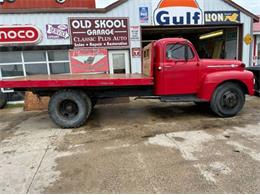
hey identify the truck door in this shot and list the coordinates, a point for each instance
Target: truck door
(180, 69)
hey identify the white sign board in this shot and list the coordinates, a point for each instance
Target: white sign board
(178, 12)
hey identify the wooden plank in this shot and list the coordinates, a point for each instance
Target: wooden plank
(77, 80)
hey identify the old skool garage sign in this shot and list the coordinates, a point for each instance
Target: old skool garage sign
(17, 35)
(178, 12)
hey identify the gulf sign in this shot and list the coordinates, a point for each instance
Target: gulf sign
(22, 34)
(178, 12)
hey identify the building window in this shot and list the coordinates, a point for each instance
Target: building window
(59, 68)
(12, 71)
(119, 62)
(10, 57)
(15, 64)
(58, 55)
(58, 61)
(35, 62)
(35, 69)
(34, 56)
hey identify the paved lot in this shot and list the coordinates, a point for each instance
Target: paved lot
(141, 147)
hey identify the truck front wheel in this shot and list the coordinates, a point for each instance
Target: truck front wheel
(70, 108)
(228, 100)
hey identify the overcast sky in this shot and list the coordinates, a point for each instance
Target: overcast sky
(251, 5)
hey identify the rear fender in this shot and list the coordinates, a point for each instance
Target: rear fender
(213, 80)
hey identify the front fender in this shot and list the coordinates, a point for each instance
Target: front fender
(211, 81)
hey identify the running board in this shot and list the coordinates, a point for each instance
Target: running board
(181, 98)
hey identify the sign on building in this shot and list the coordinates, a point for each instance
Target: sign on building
(57, 31)
(19, 35)
(136, 52)
(89, 60)
(143, 14)
(178, 12)
(222, 17)
(135, 32)
(99, 32)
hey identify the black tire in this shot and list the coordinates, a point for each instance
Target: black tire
(228, 100)
(3, 100)
(70, 108)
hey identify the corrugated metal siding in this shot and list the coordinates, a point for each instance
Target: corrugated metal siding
(129, 9)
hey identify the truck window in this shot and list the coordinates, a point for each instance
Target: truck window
(178, 52)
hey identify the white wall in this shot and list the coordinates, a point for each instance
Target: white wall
(104, 3)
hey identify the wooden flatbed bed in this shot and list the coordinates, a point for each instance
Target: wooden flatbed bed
(77, 80)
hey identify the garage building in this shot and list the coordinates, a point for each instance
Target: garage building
(63, 37)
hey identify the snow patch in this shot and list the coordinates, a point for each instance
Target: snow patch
(206, 174)
(213, 170)
(221, 168)
(117, 147)
(109, 129)
(249, 130)
(251, 152)
(188, 142)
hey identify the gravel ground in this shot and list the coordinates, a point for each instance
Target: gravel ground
(140, 147)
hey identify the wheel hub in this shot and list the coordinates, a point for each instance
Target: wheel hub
(230, 100)
(68, 109)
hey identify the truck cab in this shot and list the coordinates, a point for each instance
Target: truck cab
(177, 67)
(180, 75)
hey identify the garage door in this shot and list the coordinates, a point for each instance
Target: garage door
(220, 42)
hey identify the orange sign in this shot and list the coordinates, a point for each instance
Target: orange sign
(248, 39)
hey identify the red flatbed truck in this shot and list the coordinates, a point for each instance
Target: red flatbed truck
(172, 72)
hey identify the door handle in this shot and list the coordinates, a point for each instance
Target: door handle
(159, 68)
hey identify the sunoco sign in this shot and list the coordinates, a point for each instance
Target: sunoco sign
(16, 35)
(178, 12)
(99, 32)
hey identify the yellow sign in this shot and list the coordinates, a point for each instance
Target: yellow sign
(233, 18)
(248, 39)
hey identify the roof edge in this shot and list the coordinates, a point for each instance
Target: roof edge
(64, 10)
(242, 9)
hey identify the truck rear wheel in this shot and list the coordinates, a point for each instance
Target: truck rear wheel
(3, 100)
(70, 108)
(228, 100)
